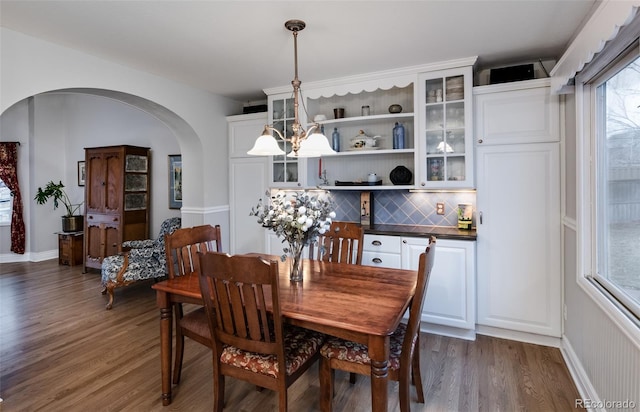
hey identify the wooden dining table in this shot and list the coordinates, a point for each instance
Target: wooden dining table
(360, 303)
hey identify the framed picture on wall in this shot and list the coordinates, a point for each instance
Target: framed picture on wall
(81, 173)
(175, 181)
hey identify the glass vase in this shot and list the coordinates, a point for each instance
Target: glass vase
(295, 256)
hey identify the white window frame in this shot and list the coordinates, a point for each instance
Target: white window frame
(586, 179)
(7, 222)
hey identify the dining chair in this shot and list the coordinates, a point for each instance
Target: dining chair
(404, 350)
(181, 248)
(342, 243)
(250, 341)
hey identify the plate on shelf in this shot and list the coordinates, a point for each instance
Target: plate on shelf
(365, 183)
(363, 148)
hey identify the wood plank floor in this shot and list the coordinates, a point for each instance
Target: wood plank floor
(60, 350)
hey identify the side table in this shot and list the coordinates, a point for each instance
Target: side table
(70, 246)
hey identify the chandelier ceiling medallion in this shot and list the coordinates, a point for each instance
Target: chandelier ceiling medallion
(304, 143)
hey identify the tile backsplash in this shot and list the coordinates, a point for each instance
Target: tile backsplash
(401, 207)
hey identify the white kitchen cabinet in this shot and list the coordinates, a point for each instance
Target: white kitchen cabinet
(383, 251)
(518, 212)
(248, 182)
(520, 112)
(445, 156)
(285, 172)
(451, 292)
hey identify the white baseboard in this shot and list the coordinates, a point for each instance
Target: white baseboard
(577, 372)
(448, 331)
(29, 257)
(519, 336)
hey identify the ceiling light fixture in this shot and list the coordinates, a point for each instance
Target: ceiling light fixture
(309, 143)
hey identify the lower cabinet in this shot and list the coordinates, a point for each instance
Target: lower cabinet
(450, 300)
(450, 303)
(383, 251)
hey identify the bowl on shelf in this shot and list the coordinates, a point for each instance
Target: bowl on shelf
(319, 118)
(395, 108)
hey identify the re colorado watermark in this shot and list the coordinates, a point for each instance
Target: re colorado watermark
(605, 404)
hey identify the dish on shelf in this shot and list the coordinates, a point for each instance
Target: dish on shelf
(361, 183)
(365, 148)
(400, 175)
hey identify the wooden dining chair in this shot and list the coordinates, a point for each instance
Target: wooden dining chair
(181, 248)
(342, 243)
(404, 351)
(251, 342)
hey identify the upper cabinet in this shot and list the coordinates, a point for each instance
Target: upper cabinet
(284, 171)
(445, 159)
(521, 112)
(402, 129)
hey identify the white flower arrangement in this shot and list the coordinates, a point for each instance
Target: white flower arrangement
(297, 217)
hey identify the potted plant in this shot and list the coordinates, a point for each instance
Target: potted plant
(70, 221)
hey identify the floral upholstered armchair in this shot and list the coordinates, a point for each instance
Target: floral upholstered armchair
(146, 259)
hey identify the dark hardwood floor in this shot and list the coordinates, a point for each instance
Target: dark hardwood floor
(60, 350)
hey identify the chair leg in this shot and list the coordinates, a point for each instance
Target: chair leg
(111, 296)
(326, 384)
(403, 392)
(282, 399)
(218, 391)
(415, 371)
(177, 367)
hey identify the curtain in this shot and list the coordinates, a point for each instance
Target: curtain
(9, 175)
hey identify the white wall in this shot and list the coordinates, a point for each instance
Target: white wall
(602, 352)
(196, 118)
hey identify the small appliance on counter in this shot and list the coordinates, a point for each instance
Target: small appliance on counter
(465, 216)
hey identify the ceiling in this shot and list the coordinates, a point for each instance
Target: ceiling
(238, 48)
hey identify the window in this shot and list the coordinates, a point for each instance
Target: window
(6, 205)
(616, 101)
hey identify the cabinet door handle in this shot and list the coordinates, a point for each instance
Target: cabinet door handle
(376, 243)
(376, 260)
(480, 217)
(479, 141)
(404, 241)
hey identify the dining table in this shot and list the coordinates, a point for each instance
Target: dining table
(360, 303)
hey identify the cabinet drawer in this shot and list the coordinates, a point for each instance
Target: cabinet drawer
(100, 218)
(382, 243)
(387, 260)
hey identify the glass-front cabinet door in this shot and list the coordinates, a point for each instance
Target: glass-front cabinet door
(285, 171)
(445, 159)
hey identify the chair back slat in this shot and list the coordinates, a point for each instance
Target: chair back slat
(342, 243)
(183, 245)
(238, 289)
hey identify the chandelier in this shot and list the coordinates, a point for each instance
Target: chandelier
(304, 143)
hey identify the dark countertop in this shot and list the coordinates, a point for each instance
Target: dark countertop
(440, 232)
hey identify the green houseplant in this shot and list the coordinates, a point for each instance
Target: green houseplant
(71, 222)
